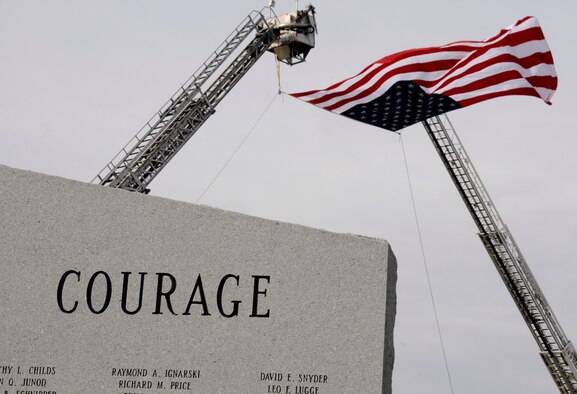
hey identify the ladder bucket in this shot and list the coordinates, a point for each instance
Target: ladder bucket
(295, 35)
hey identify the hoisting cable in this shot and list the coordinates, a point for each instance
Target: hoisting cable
(425, 264)
(278, 74)
(237, 148)
(248, 133)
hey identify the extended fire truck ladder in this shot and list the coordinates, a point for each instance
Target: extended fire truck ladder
(556, 350)
(289, 36)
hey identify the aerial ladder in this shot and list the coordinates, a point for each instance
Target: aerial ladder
(556, 350)
(290, 37)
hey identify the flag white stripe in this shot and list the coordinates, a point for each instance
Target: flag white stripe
(528, 24)
(344, 86)
(444, 55)
(520, 51)
(540, 70)
(381, 90)
(460, 74)
(502, 87)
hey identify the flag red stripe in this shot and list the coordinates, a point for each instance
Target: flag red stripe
(481, 83)
(336, 85)
(354, 86)
(512, 40)
(513, 76)
(518, 38)
(385, 62)
(518, 91)
(425, 67)
(526, 62)
(515, 61)
(545, 81)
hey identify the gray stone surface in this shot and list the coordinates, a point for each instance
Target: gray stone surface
(330, 298)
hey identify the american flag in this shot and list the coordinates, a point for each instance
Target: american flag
(408, 87)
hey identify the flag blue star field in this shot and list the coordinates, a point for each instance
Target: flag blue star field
(411, 86)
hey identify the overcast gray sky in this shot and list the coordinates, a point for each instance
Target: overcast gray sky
(79, 78)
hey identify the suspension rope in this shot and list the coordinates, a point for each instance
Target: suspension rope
(425, 264)
(278, 74)
(237, 148)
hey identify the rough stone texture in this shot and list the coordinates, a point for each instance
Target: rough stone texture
(330, 297)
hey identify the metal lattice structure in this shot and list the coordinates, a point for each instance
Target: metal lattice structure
(555, 348)
(150, 150)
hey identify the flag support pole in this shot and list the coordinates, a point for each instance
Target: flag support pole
(556, 350)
